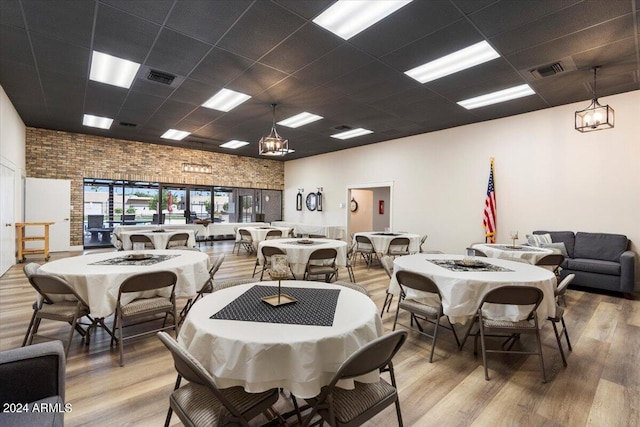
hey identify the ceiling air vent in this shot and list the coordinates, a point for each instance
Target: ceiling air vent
(131, 125)
(160, 77)
(342, 128)
(561, 66)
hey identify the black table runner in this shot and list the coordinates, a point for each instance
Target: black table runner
(315, 307)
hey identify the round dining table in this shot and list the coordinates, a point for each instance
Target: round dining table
(97, 277)
(299, 250)
(462, 288)
(381, 240)
(294, 354)
(518, 252)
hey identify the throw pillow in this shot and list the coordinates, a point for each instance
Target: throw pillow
(538, 239)
(558, 247)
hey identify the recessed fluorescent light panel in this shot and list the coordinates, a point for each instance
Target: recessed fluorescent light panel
(178, 135)
(352, 133)
(97, 122)
(226, 100)
(233, 144)
(112, 70)
(300, 120)
(346, 18)
(496, 97)
(457, 61)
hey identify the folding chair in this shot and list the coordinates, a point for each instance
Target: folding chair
(322, 262)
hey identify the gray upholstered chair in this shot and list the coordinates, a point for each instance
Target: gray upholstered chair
(29, 270)
(432, 313)
(349, 408)
(322, 262)
(144, 307)
(141, 238)
(201, 403)
(523, 296)
(33, 374)
(61, 303)
(178, 241)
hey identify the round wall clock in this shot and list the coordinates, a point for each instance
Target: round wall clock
(354, 205)
(312, 202)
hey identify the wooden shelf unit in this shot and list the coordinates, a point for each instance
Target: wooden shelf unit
(22, 240)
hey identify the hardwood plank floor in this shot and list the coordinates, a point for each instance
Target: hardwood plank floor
(600, 387)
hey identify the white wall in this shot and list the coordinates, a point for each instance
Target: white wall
(548, 176)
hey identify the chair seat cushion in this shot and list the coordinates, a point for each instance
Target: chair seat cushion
(594, 266)
(507, 324)
(420, 309)
(65, 309)
(321, 269)
(350, 404)
(147, 305)
(201, 407)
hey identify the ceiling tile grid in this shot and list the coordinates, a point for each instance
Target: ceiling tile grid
(273, 52)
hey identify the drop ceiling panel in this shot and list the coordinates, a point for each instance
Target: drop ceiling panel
(69, 21)
(340, 61)
(153, 10)
(176, 53)
(15, 46)
(55, 56)
(220, 67)
(10, 13)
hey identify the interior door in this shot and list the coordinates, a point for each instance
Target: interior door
(7, 224)
(49, 200)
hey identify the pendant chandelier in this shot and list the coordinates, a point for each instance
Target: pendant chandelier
(273, 144)
(595, 116)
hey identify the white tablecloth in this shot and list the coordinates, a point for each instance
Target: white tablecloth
(259, 356)
(116, 237)
(329, 231)
(159, 239)
(462, 292)
(228, 228)
(258, 234)
(298, 254)
(381, 241)
(530, 255)
(98, 285)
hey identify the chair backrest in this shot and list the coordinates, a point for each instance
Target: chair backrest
(191, 369)
(399, 244)
(141, 238)
(215, 262)
(30, 269)
(324, 254)
(148, 281)
(95, 221)
(48, 285)
(373, 356)
(552, 260)
(129, 217)
(562, 287)
(363, 240)
(422, 240)
(387, 264)
(317, 236)
(245, 235)
(353, 286)
(514, 295)
(178, 239)
(408, 279)
(273, 234)
(269, 251)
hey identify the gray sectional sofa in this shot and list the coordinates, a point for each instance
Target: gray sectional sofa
(599, 260)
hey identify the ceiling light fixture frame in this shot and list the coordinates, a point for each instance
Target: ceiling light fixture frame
(596, 116)
(273, 144)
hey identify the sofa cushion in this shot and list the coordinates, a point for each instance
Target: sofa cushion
(602, 246)
(566, 237)
(537, 240)
(49, 412)
(594, 266)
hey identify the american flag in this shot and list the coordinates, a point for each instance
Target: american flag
(489, 218)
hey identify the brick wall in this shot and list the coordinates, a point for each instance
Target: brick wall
(75, 156)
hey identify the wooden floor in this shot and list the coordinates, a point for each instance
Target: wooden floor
(600, 387)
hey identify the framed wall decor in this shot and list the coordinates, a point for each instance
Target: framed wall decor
(319, 200)
(312, 201)
(299, 200)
